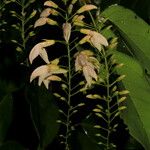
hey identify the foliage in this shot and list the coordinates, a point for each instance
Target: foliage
(91, 62)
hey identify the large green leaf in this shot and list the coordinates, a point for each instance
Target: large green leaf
(86, 143)
(133, 30)
(137, 113)
(5, 115)
(142, 8)
(44, 114)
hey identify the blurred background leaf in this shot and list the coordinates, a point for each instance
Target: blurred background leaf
(43, 113)
(11, 145)
(86, 143)
(5, 115)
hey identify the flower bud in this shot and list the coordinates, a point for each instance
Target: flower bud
(67, 31)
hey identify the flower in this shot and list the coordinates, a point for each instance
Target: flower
(88, 64)
(46, 73)
(66, 31)
(50, 4)
(94, 38)
(78, 20)
(48, 11)
(43, 20)
(86, 7)
(39, 49)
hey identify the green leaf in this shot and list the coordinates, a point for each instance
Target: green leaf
(136, 116)
(132, 144)
(87, 139)
(12, 146)
(5, 115)
(134, 31)
(86, 143)
(44, 114)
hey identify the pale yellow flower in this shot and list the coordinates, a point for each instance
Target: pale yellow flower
(46, 73)
(94, 38)
(88, 64)
(78, 20)
(86, 7)
(51, 4)
(40, 22)
(48, 11)
(43, 20)
(39, 50)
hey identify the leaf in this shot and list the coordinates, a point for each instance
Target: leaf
(11, 145)
(44, 114)
(132, 144)
(133, 30)
(86, 143)
(136, 116)
(136, 34)
(89, 137)
(5, 115)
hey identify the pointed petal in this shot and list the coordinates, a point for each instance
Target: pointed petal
(40, 22)
(51, 22)
(54, 78)
(47, 43)
(55, 61)
(41, 79)
(54, 69)
(87, 7)
(54, 12)
(34, 52)
(40, 71)
(98, 39)
(59, 71)
(51, 4)
(85, 31)
(44, 55)
(46, 12)
(96, 43)
(82, 59)
(87, 76)
(78, 20)
(77, 64)
(46, 83)
(95, 62)
(85, 39)
(92, 72)
(87, 52)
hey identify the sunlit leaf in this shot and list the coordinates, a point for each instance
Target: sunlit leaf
(134, 31)
(136, 115)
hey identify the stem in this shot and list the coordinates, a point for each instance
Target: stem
(69, 99)
(23, 27)
(107, 99)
